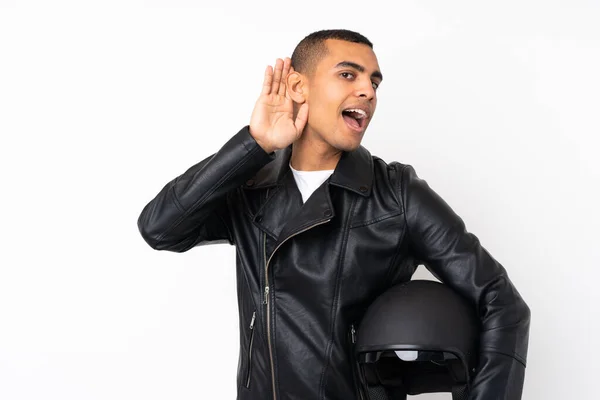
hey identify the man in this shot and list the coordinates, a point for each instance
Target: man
(322, 227)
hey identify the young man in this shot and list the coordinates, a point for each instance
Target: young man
(322, 227)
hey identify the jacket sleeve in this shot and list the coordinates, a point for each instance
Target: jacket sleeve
(193, 209)
(455, 256)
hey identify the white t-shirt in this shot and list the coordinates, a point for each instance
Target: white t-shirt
(309, 181)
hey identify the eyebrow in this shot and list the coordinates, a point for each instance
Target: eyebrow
(359, 68)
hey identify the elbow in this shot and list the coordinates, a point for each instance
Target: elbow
(151, 236)
(524, 320)
(503, 300)
(524, 314)
(525, 311)
(153, 229)
(520, 310)
(158, 239)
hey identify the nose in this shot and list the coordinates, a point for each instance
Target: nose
(365, 89)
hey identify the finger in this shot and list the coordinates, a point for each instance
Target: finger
(277, 76)
(301, 118)
(287, 63)
(266, 89)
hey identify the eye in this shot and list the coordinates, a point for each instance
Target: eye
(346, 74)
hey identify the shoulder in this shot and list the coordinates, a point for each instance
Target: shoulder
(392, 171)
(388, 175)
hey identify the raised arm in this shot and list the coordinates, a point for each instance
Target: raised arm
(193, 209)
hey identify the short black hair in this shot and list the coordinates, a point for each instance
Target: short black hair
(312, 48)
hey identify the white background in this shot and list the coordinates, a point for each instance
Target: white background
(496, 105)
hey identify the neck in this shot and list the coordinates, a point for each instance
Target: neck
(311, 154)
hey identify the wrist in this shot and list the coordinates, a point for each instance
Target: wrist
(268, 149)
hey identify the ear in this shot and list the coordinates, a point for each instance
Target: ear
(297, 88)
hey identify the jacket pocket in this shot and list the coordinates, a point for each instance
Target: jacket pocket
(249, 354)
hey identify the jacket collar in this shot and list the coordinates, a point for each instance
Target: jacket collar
(353, 172)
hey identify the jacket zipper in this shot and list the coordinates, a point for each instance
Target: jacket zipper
(266, 299)
(353, 362)
(249, 358)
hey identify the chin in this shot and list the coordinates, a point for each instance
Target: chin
(348, 145)
(343, 139)
(347, 140)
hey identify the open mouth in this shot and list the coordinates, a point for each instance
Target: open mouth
(355, 118)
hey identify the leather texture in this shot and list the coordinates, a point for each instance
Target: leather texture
(366, 228)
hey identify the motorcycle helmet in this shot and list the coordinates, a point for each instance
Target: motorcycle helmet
(417, 337)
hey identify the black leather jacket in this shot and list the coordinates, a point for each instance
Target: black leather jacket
(305, 273)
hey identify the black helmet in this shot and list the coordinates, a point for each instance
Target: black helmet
(417, 337)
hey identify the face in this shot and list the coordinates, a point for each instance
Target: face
(347, 78)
